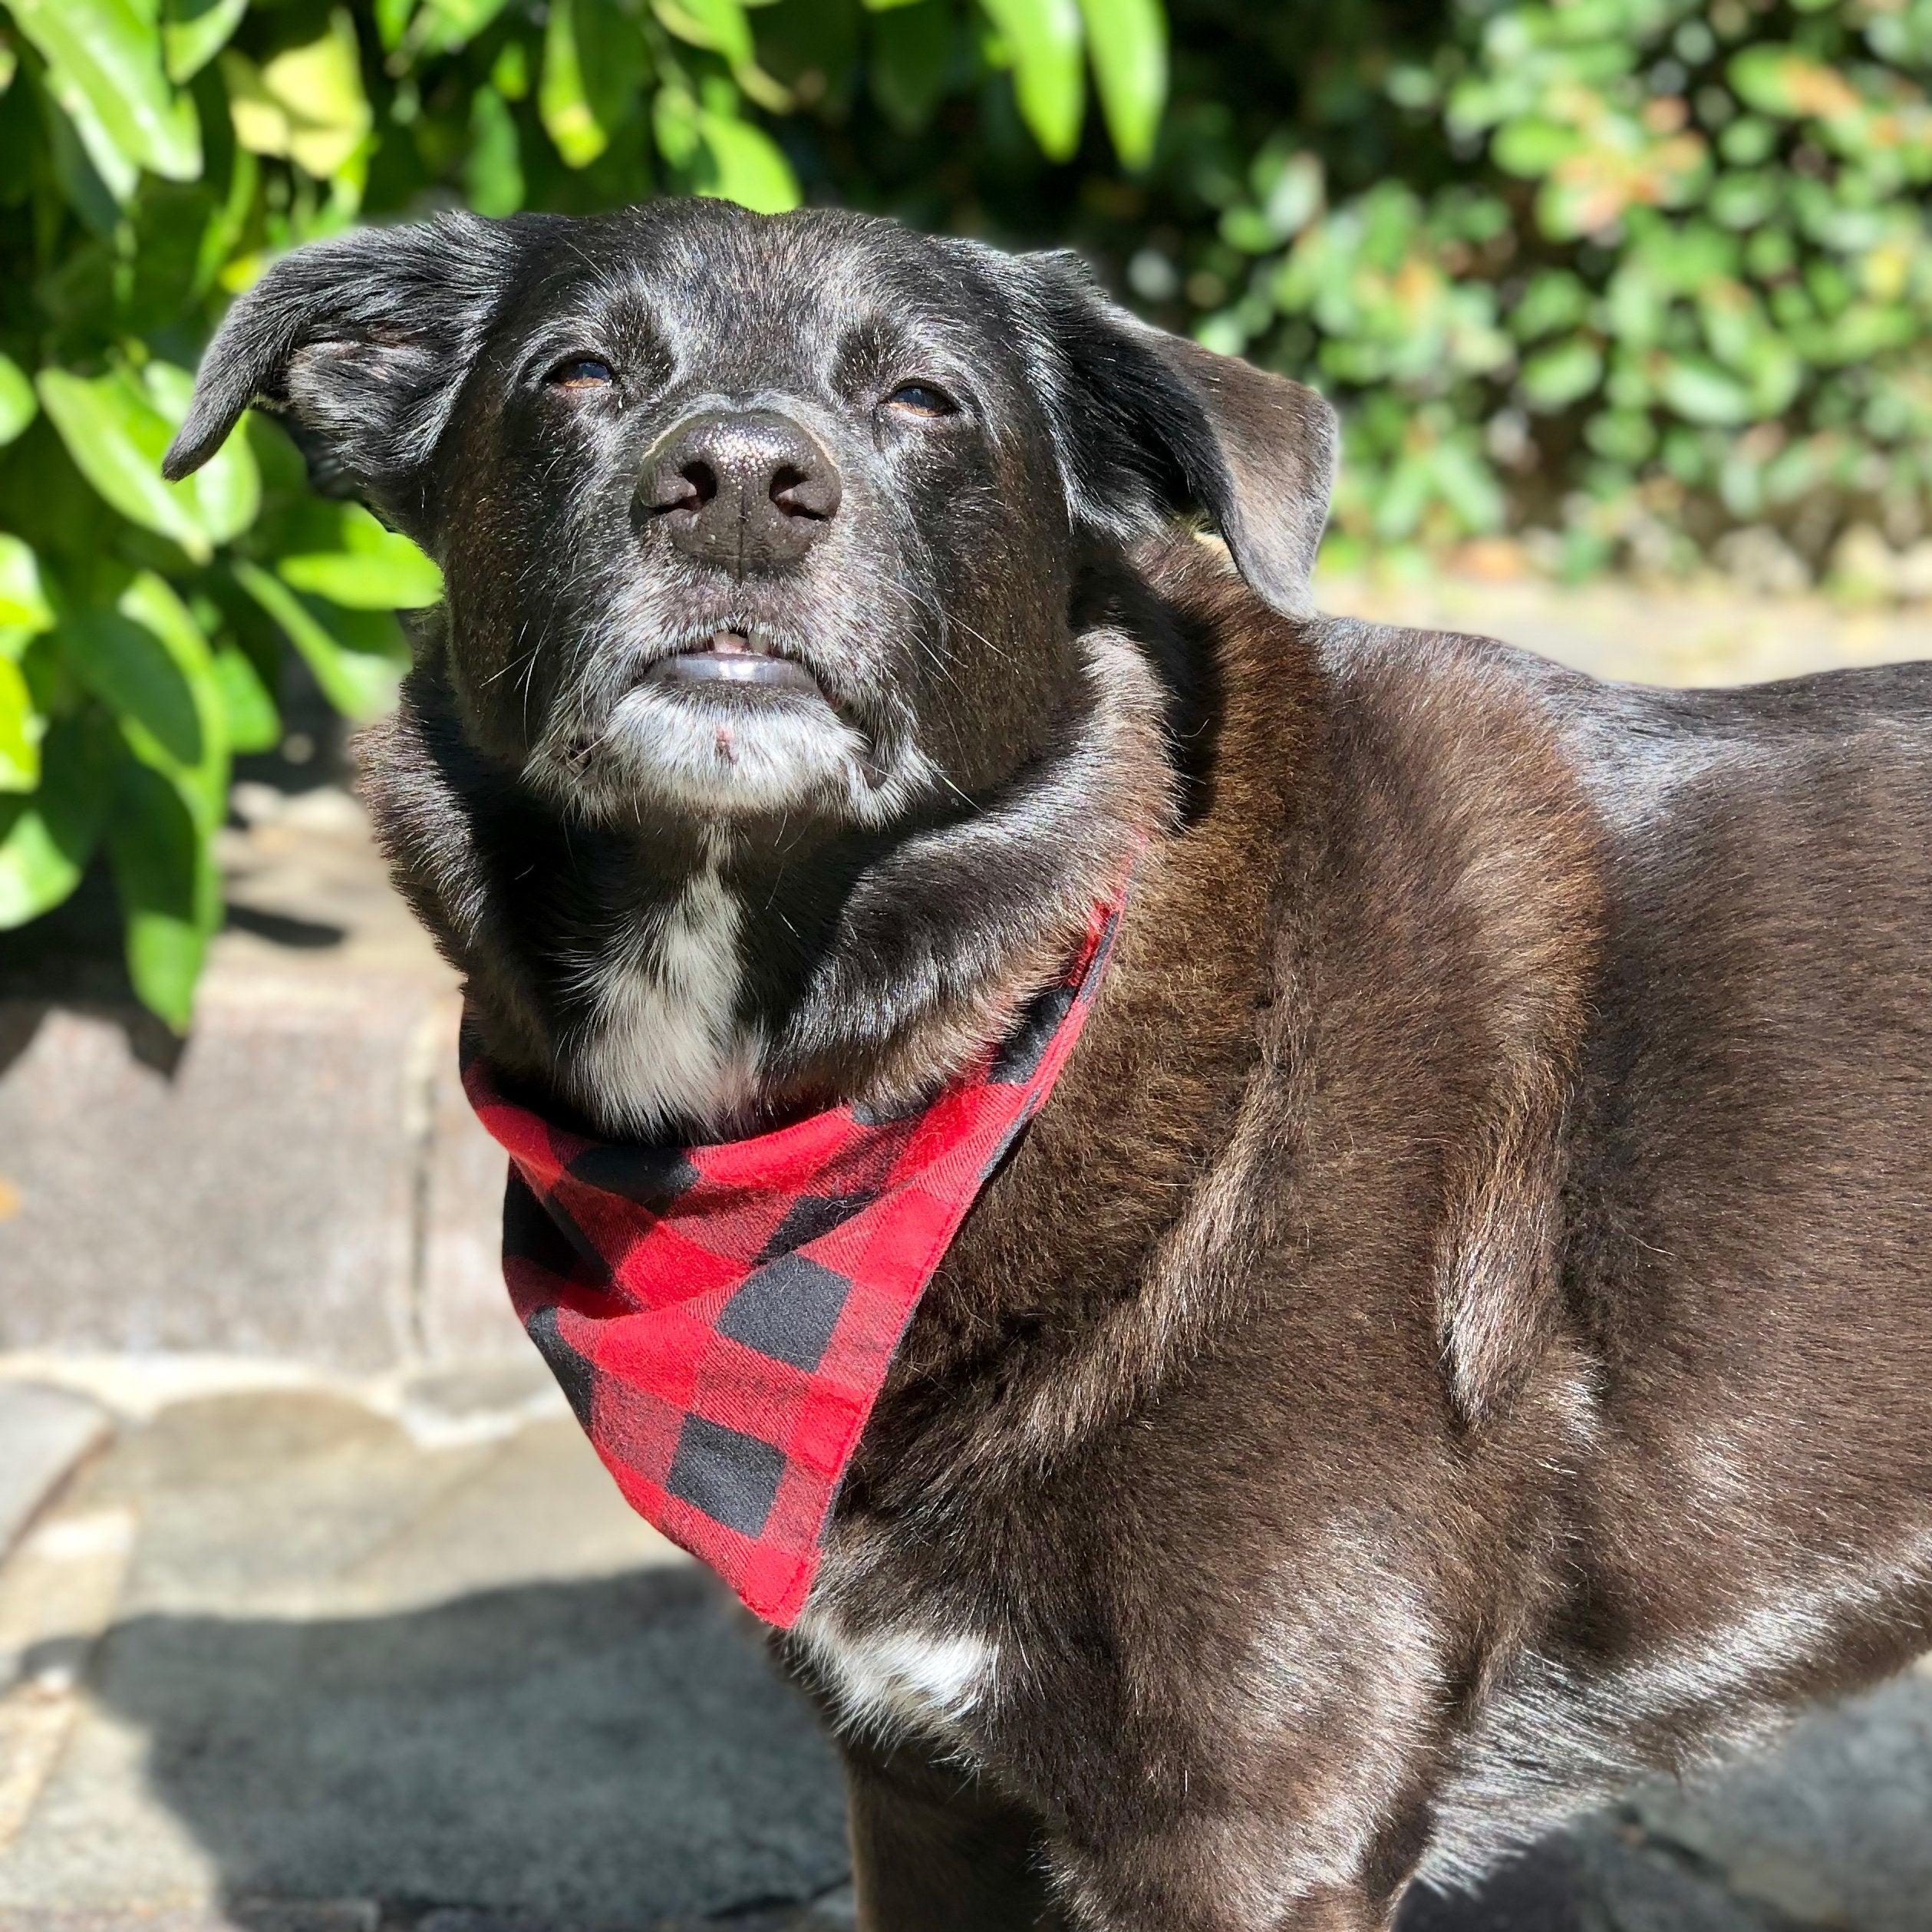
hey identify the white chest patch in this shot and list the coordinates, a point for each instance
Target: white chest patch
(663, 1039)
(886, 1679)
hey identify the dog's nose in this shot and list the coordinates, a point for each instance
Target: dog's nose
(744, 488)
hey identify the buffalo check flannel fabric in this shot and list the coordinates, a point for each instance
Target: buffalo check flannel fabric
(722, 1317)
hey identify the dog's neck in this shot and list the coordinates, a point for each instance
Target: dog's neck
(699, 982)
(663, 1039)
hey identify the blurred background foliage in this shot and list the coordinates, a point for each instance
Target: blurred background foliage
(1637, 283)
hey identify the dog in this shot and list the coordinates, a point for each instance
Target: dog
(1461, 1332)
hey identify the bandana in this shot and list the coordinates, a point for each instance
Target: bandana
(722, 1317)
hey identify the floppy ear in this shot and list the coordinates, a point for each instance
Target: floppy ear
(364, 341)
(1151, 425)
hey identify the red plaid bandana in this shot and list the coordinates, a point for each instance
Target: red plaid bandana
(722, 1317)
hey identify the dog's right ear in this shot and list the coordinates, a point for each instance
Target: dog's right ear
(364, 340)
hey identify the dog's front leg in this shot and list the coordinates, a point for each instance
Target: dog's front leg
(934, 1851)
(1140, 1888)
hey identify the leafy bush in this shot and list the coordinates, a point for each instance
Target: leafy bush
(1672, 277)
(1635, 278)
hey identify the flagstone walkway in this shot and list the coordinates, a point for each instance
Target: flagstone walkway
(302, 1655)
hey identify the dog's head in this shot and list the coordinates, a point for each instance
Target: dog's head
(742, 516)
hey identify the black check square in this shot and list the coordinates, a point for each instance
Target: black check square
(787, 1309)
(808, 1217)
(733, 1477)
(653, 1177)
(575, 1376)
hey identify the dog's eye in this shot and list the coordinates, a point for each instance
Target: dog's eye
(921, 399)
(580, 372)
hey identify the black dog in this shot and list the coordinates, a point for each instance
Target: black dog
(1462, 1331)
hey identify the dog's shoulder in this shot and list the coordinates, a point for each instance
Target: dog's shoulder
(1453, 786)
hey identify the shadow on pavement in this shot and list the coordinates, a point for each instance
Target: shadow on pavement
(615, 1752)
(1536, 1893)
(599, 1753)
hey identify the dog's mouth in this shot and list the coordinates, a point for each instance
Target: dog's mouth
(732, 663)
(728, 714)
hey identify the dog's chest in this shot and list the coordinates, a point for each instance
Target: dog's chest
(888, 1678)
(663, 1041)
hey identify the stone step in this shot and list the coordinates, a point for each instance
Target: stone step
(301, 1179)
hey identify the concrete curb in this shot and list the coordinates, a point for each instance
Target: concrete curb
(305, 1182)
(44, 1432)
(302, 1179)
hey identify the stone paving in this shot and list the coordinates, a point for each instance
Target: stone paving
(317, 1615)
(276, 1653)
(332, 1656)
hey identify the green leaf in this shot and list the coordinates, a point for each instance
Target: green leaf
(718, 25)
(1623, 435)
(96, 178)
(171, 895)
(1557, 376)
(1127, 42)
(103, 66)
(1783, 81)
(375, 569)
(674, 126)
(116, 437)
(593, 64)
(561, 100)
(1701, 392)
(149, 601)
(1290, 188)
(116, 427)
(1555, 299)
(1746, 200)
(457, 22)
(18, 407)
(129, 668)
(746, 166)
(911, 51)
(359, 683)
(1469, 487)
(1043, 38)
(250, 720)
(509, 72)
(307, 104)
(226, 490)
(1405, 494)
(1747, 141)
(1531, 146)
(493, 172)
(23, 598)
(194, 32)
(392, 19)
(21, 726)
(46, 840)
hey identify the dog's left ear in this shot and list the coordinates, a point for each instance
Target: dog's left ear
(363, 340)
(1149, 425)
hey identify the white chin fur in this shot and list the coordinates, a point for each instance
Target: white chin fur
(717, 761)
